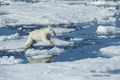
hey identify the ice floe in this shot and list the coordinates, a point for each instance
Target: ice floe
(54, 13)
(37, 52)
(16, 45)
(36, 55)
(60, 31)
(77, 70)
(110, 20)
(10, 37)
(5, 60)
(119, 19)
(107, 31)
(76, 39)
(104, 3)
(111, 50)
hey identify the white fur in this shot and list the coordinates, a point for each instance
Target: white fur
(40, 35)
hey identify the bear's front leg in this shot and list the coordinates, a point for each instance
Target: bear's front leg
(52, 41)
(45, 40)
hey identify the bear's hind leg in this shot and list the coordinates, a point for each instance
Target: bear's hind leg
(34, 42)
(29, 42)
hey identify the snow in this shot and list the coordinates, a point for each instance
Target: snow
(54, 13)
(53, 51)
(107, 31)
(40, 56)
(77, 70)
(5, 60)
(12, 44)
(85, 27)
(104, 3)
(119, 19)
(60, 31)
(10, 37)
(2, 23)
(111, 50)
(76, 39)
(63, 43)
(110, 20)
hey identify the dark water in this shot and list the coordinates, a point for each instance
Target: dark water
(116, 71)
(89, 47)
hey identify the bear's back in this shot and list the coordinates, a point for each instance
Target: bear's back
(37, 34)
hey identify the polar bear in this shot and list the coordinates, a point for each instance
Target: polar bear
(40, 35)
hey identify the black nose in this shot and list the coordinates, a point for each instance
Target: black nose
(54, 34)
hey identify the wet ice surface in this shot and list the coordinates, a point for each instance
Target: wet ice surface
(92, 46)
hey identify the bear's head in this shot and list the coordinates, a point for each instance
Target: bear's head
(51, 31)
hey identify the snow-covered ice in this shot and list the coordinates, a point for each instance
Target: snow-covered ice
(5, 60)
(110, 20)
(77, 70)
(63, 43)
(107, 31)
(53, 13)
(76, 39)
(119, 19)
(12, 44)
(60, 31)
(37, 55)
(85, 27)
(19, 44)
(10, 37)
(111, 50)
(53, 51)
(105, 3)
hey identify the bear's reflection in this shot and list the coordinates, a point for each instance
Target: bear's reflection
(41, 60)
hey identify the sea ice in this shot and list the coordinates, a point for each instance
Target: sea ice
(110, 20)
(111, 50)
(19, 44)
(60, 31)
(76, 39)
(10, 37)
(77, 70)
(119, 19)
(36, 55)
(104, 3)
(107, 31)
(53, 13)
(5, 60)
